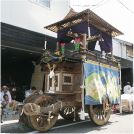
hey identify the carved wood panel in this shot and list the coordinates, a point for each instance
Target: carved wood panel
(77, 81)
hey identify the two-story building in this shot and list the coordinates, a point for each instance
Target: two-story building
(23, 34)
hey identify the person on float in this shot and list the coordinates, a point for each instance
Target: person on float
(127, 88)
(5, 91)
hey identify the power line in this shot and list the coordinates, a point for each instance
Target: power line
(125, 6)
(91, 5)
(98, 3)
(101, 4)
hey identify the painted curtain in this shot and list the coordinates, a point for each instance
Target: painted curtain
(101, 81)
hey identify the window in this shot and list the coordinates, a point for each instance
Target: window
(45, 3)
(50, 82)
(67, 79)
(56, 81)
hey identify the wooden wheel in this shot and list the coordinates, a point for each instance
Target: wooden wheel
(28, 100)
(40, 122)
(68, 113)
(99, 114)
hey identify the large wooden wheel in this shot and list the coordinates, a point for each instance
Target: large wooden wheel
(68, 113)
(40, 122)
(99, 114)
(28, 100)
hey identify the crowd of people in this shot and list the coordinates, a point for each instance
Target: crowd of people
(6, 99)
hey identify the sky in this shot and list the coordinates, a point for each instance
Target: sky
(113, 12)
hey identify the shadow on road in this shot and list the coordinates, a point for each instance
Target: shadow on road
(69, 126)
(84, 127)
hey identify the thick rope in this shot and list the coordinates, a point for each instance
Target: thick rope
(53, 107)
(13, 105)
(31, 109)
(61, 105)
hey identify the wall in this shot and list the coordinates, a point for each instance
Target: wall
(119, 49)
(31, 16)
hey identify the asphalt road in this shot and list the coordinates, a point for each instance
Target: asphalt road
(118, 123)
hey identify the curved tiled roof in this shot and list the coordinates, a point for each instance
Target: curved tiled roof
(73, 18)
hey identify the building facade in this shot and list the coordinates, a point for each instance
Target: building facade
(124, 51)
(33, 15)
(23, 34)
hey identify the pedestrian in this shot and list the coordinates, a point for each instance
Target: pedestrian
(132, 89)
(5, 91)
(1, 121)
(127, 88)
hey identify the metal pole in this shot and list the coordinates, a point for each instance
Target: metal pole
(120, 93)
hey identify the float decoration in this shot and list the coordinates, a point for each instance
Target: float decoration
(77, 44)
(62, 48)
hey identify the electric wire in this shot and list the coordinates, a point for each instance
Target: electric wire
(125, 6)
(99, 5)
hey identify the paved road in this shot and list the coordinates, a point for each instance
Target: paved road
(118, 123)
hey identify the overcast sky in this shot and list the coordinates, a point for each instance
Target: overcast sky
(113, 12)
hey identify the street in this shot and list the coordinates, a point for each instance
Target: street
(118, 123)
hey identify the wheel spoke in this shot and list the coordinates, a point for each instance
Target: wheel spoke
(98, 114)
(95, 110)
(102, 115)
(41, 122)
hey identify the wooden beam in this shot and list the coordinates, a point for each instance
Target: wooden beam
(57, 47)
(112, 53)
(84, 41)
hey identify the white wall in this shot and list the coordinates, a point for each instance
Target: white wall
(31, 16)
(117, 47)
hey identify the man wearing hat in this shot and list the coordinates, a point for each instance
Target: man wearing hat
(5, 91)
(127, 88)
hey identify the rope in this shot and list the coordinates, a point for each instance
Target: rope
(74, 114)
(13, 105)
(54, 66)
(53, 107)
(31, 109)
(61, 105)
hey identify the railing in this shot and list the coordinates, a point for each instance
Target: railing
(95, 56)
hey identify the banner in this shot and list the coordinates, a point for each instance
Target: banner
(101, 81)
